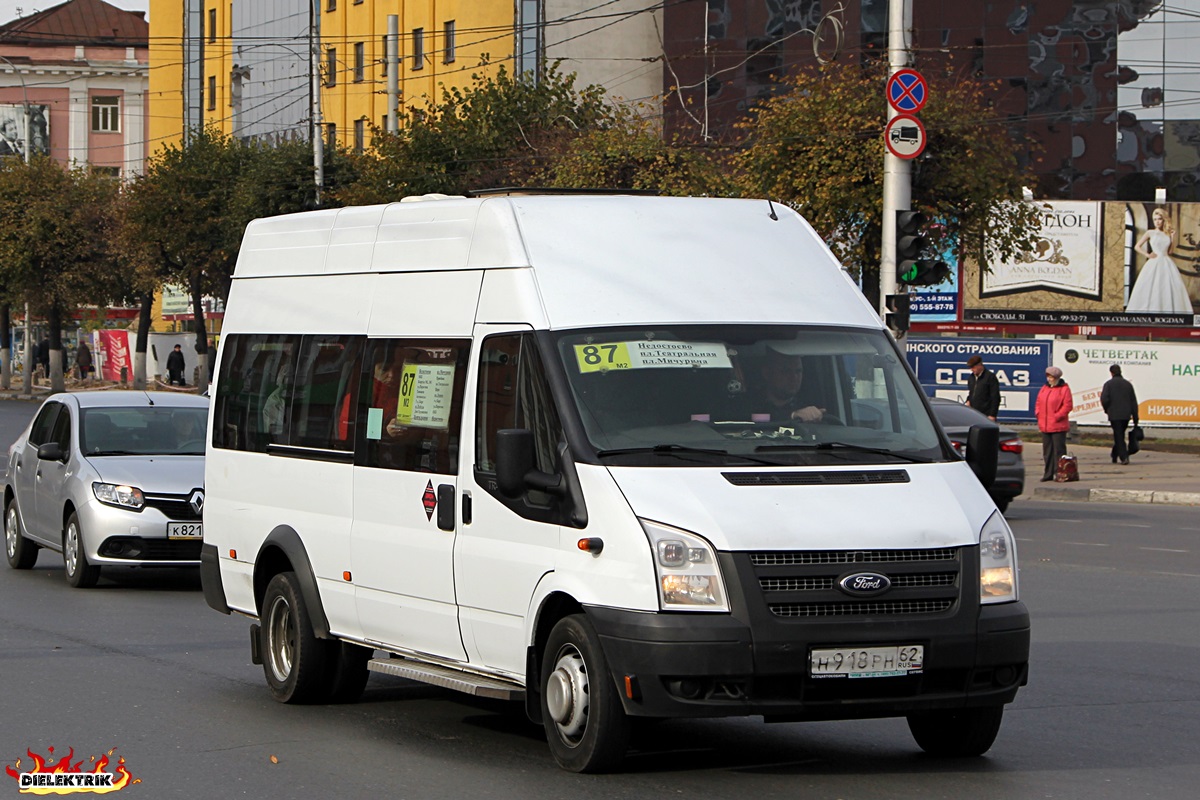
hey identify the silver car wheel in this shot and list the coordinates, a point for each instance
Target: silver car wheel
(12, 530)
(71, 547)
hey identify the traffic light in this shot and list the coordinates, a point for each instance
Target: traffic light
(911, 269)
(896, 308)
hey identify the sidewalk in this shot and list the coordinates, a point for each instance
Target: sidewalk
(1151, 477)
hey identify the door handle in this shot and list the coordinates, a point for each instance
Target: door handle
(445, 507)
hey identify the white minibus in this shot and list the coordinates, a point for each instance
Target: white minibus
(612, 457)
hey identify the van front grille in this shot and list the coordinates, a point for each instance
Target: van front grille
(792, 557)
(830, 478)
(818, 584)
(860, 609)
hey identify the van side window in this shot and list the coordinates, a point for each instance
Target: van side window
(410, 411)
(514, 393)
(254, 391)
(326, 388)
(40, 432)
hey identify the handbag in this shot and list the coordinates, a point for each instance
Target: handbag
(1067, 469)
(1136, 434)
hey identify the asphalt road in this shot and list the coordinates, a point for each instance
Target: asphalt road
(143, 665)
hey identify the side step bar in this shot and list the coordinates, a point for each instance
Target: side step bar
(447, 678)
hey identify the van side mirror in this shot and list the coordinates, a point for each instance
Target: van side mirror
(983, 449)
(515, 472)
(50, 451)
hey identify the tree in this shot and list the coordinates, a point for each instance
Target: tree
(818, 145)
(184, 218)
(56, 226)
(499, 131)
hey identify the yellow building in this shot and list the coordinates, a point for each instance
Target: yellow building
(245, 66)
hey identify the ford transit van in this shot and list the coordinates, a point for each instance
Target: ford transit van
(611, 457)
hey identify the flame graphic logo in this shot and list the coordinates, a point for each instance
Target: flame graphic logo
(47, 776)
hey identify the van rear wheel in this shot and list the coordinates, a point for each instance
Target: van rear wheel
(959, 733)
(585, 724)
(295, 662)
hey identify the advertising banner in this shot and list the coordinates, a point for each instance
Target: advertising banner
(1019, 364)
(1166, 377)
(937, 303)
(112, 347)
(1114, 263)
(14, 125)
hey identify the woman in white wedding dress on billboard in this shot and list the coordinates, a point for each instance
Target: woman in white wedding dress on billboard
(1159, 287)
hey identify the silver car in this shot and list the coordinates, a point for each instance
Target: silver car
(108, 478)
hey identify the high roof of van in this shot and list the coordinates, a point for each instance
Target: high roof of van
(595, 259)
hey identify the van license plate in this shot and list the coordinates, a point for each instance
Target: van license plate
(185, 530)
(867, 662)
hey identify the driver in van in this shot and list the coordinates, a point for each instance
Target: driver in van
(782, 378)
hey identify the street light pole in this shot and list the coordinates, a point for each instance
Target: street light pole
(6, 357)
(897, 172)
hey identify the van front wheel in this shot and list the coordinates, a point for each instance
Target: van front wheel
(586, 726)
(295, 661)
(957, 734)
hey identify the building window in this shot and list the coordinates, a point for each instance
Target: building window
(331, 5)
(212, 24)
(448, 47)
(106, 114)
(529, 35)
(212, 92)
(360, 59)
(418, 60)
(360, 129)
(107, 172)
(331, 67)
(331, 136)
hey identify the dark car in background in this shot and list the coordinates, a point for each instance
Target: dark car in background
(956, 420)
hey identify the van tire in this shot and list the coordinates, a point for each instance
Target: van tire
(80, 573)
(348, 671)
(957, 734)
(585, 724)
(21, 552)
(296, 663)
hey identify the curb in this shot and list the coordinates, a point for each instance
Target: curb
(1075, 495)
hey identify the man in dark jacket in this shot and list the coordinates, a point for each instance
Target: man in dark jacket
(1119, 401)
(983, 390)
(175, 367)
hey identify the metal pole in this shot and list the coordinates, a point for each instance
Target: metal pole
(393, 73)
(315, 76)
(897, 172)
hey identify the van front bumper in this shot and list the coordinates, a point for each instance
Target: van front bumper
(712, 665)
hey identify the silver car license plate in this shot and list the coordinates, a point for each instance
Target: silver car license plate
(185, 530)
(867, 662)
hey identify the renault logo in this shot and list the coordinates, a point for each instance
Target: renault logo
(196, 501)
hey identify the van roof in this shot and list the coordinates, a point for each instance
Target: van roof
(596, 259)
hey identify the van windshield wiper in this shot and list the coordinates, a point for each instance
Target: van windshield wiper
(858, 448)
(681, 450)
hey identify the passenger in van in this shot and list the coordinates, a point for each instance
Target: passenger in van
(276, 403)
(779, 390)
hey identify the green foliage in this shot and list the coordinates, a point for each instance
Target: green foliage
(819, 147)
(500, 131)
(56, 226)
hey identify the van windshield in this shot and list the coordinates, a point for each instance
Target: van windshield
(746, 394)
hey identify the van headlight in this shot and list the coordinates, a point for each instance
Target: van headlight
(689, 578)
(997, 562)
(115, 495)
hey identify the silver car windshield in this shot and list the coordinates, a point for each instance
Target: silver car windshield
(143, 431)
(741, 394)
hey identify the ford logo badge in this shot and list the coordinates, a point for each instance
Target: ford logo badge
(865, 583)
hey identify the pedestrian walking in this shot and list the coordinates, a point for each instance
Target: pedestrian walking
(1053, 408)
(83, 359)
(43, 355)
(1119, 401)
(983, 389)
(175, 367)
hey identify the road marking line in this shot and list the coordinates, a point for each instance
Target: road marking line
(1163, 550)
(1089, 544)
(1130, 525)
(1177, 574)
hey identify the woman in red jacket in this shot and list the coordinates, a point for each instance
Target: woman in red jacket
(1053, 407)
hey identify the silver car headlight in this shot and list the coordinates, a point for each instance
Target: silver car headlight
(997, 561)
(689, 578)
(117, 495)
